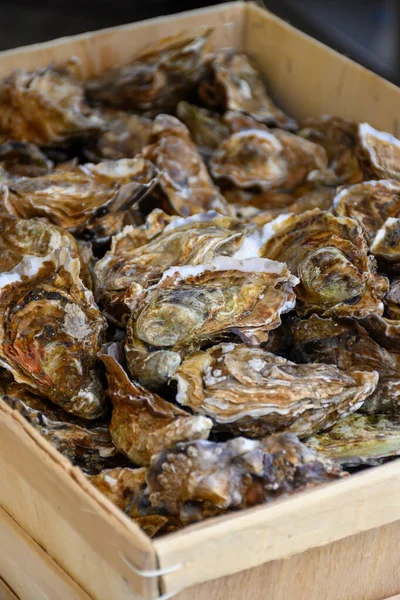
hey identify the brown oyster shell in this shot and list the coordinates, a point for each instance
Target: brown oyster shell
(392, 300)
(71, 198)
(139, 255)
(359, 440)
(253, 392)
(198, 480)
(232, 82)
(124, 136)
(24, 159)
(158, 77)
(87, 446)
(329, 254)
(45, 106)
(207, 128)
(379, 153)
(142, 423)
(267, 160)
(50, 331)
(369, 345)
(386, 243)
(184, 179)
(339, 138)
(191, 306)
(369, 203)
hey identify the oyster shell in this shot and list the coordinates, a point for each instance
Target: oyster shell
(253, 392)
(86, 446)
(45, 106)
(386, 243)
(232, 82)
(124, 136)
(139, 255)
(142, 423)
(72, 198)
(191, 306)
(392, 300)
(379, 153)
(369, 203)
(50, 331)
(160, 76)
(329, 254)
(23, 159)
(184, 179)
(202, 479)
(359, 440)
(206, 128)
(267, 160)
(339, 138)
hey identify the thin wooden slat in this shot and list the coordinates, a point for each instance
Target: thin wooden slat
(31, 573)
(5, 592)
(309, 79)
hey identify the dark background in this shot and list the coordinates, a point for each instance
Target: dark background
(366, 30)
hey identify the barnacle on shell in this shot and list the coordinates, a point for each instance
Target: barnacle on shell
(142, 423)
(252, 392)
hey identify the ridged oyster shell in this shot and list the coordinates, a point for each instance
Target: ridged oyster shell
(233, 83)
(142, 423)
(24, 159)
(202, 479)
(157, 78)
(45, 106)
(329, 255)
(253, 392)
(50, 331)
(359, 440)
(379, 153)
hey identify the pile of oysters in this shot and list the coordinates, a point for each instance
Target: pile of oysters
(199, 296)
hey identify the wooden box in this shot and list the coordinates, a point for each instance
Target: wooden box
(61, 539)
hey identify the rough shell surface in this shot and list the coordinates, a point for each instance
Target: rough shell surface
(379, 153)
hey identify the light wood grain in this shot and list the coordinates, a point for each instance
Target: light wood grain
(29, 570)
(5, 592)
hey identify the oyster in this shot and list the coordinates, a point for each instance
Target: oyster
(73, 198)
(386, 243)
(253, 392)
(369, 203)
(369, 345)
(392, 300)
(379, 153)
(45, 106)
(192, 306)
(124, 136)
(86, 446)
(142, 423)
(50, 331)
(160, 76)
(203, 479)
(184, 179)
(267, 160)
(339, 138)
(23, 159)
(139, 255)
(359, 440)
(233, 83)
(206, 128)
(329, 254)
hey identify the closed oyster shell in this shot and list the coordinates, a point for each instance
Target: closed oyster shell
(369, 203)
(392, 300)
(72, 198)
(339, 138)
(50, 331)
(232, 82)
(184, 179)
(267, 160)
(198, 480)
(156, 79)
(24, 159)
(124, 136)
(359, 440)
(142, 423)
(386, 243)
(369, 345)
(329, 254)
(253, 392)
(139, 255)
(191, 306)
(379, 153)
(45, 106)
(87, 446)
